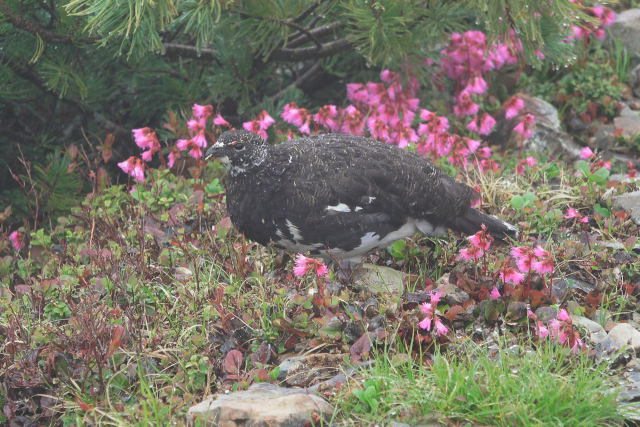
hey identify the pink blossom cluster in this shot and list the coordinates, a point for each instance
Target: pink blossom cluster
(305, 264)
(17, 240)
(134, 167)
(573, 213)
(197, 127)
(596, 163)
(480, 243)
(260, 124)
(431, 319)
(559, 328)
(146, 139)
(522, 164)
(527, 260)
(605, 18)
(465, 60)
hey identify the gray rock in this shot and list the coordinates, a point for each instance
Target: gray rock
(302, 371)
(546, 313)
(379, 279)
(627, 30)
(628, 125)
(562, 285)
(595, 331)
(452, 294)
(262, 404)
(630, 202)
(634, 80)
(548, 135)
(620, 336)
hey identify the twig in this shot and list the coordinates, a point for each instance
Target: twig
(304, 76)
(188, 49)
(316, 32)
(302, 53)
(31, 27)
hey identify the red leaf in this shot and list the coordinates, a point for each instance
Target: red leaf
(83, 406)
(116, 340)
(232, 362)
(453, 312)
(360, 348)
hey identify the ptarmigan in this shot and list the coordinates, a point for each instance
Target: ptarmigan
(339, 196)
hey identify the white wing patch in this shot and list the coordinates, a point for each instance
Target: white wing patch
(340, 207)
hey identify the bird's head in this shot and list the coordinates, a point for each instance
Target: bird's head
(239, 151)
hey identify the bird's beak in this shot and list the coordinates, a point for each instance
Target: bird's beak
(213, 151)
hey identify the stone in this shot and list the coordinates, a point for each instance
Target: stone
(262, 404)
(620, 336)
(628, 125)
(634, 80)
(548, 135)
(546, 313)
(562, 285)
(630, 202)
(379, 279)
(626, 29)
(303, 371)
(452, 294)
(596, 332)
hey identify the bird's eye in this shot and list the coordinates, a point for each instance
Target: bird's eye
(238, 146)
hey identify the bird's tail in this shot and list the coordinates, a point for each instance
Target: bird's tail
(473, 219)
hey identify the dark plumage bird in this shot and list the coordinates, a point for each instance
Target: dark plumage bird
(339, 196)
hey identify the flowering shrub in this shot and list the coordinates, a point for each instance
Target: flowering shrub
(431, 319)
(560, 328)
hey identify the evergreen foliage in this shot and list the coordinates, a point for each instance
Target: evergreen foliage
(73, 70)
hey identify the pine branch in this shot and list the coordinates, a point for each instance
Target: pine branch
(32, 27)
(300, 54)
(316, 32)
(299, 81)
(190, 50)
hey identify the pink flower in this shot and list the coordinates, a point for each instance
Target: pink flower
(482, 239)
(192, 145)
(512, 107)
(477, 85)
(464, 105)
(440, 328)
(540, 252)
(525, 126)
(220, 121)
(427, 308)
(254, 126)
(577, 345)
(265, 120)
(529, 161)
(197, 125)
(563, 316)
(202, 111)
(544, 266)
(425, 323)
(482, 124)
(172, 157)
(510, 275)
(145, 138)
(133, 167)
(495, 293)
(17, 240)
(305, 264)
(586, 153)
(584, 220)
(470, 253)
(327, 116)
(572, 213)
(299, 117)
(435, 297)
(357, 93)
(531, 314)
(542, 330)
